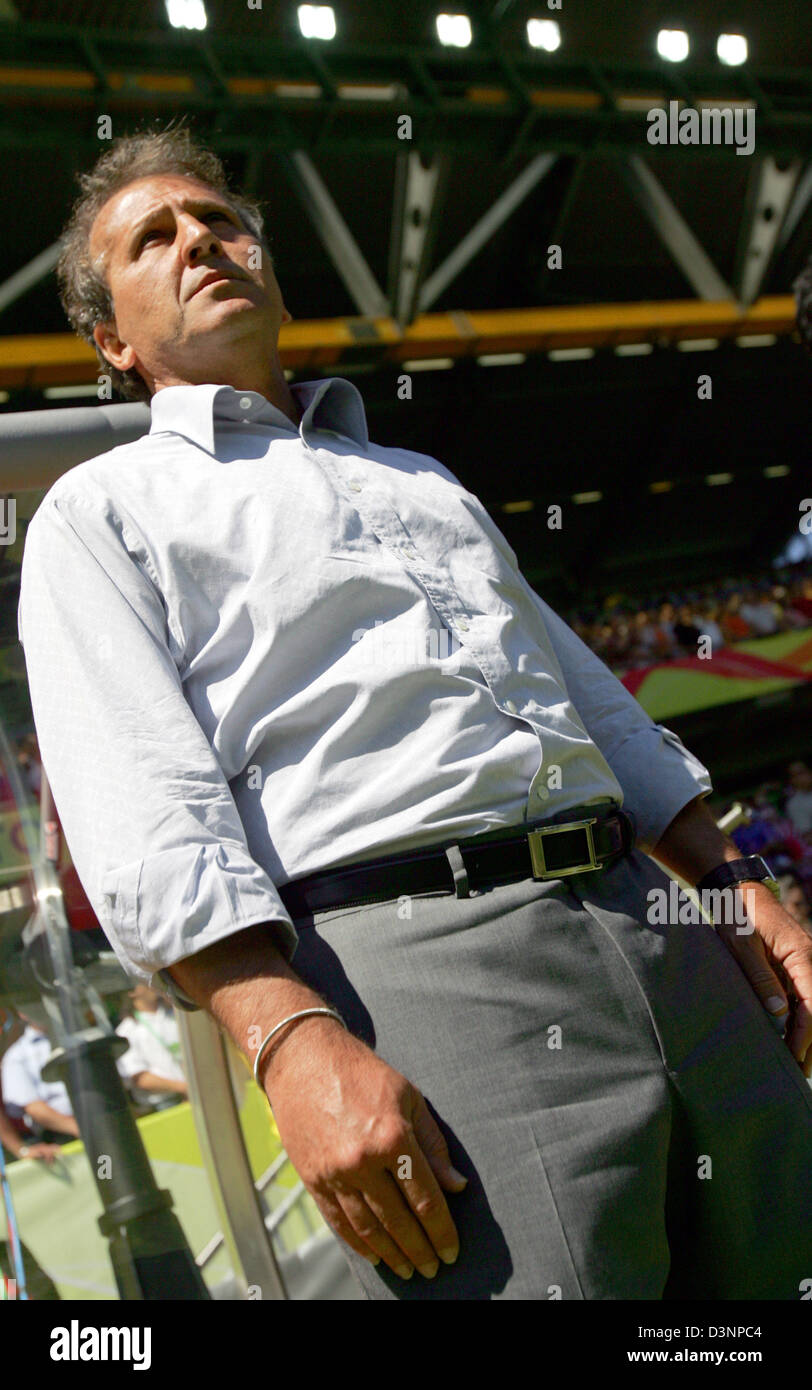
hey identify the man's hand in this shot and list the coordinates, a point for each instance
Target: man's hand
(358, 1133)
(48, 1153)
(772, 948)
(775, 953)
(366, 1147)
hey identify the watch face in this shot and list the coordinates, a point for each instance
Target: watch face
(767, 871)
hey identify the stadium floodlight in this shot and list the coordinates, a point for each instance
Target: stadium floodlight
(428, 364)
(731, 49)
(186, 14)
(543, 33)
(673, 45)
(317, 21)
(454, 30)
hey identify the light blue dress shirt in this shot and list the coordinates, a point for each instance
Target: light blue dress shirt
(257, 650)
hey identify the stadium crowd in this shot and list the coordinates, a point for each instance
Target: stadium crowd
(666, 627)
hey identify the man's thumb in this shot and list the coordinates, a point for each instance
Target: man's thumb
(432, 1141)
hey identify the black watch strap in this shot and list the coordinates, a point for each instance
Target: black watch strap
(748, 870)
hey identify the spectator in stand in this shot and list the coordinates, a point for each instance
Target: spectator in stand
(19, 1147)
(666, 624)
(42, 1105)
(768, 833)
(794, 899)
(686, 631)
(799, 800)
(30, 765)
(621, 640)
(39, 1284)
(708, 625)
(602, 641)
(151, 1066)
(734, 626)
(801, 599)
(644, 640)
(794, 618)
(665, 647)
(732, 610)
(11, 1138)
(759, 612)
(780, 598)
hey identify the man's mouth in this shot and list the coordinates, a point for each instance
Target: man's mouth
(212, 277)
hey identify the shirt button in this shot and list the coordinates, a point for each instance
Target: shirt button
(245, 403)
(355, 487)
(463, 625)
(510, 707)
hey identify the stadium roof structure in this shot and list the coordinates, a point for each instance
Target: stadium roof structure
(540, 377)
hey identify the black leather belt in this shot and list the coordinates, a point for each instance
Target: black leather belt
(543, 850)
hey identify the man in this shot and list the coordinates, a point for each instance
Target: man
(39, 1103)
(794, 899)
(151, 1064)
(11, 1030)
(259, 743)
(799, 802)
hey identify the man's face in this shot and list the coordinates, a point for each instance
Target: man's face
(181, 270)
(30, 1022)
(800, 777)
(145, 998)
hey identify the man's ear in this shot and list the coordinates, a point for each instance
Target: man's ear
(120, 355)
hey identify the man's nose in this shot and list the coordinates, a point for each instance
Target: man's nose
(199, 240)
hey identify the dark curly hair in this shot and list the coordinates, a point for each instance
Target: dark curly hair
(83, 293)
(802, 289)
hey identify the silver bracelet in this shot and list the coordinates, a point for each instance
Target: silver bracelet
(303, 1013)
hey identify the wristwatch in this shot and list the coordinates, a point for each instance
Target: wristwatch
(749, 870)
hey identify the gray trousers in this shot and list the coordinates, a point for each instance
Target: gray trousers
(631, 1124)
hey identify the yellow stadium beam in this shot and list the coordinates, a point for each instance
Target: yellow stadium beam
(62, 359)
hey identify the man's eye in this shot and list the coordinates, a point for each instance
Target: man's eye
(145, 238)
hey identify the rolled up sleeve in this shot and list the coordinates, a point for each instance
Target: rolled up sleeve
(657, 773)
(147, 812)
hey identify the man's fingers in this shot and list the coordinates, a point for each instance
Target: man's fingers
(799, 1037)
(432, 1143)
(418, 1184)
(771, 979)
(334, 1215)
(751, 956)
(397, 1235)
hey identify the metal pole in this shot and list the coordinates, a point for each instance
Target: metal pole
(150, 1255)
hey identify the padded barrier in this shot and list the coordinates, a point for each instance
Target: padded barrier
(37, 446)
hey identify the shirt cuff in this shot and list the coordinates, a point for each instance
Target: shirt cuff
(176, 902)
(659, 777)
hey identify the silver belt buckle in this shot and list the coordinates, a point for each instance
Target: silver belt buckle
(535, 839)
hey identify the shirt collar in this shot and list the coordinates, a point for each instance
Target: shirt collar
(193, 411)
